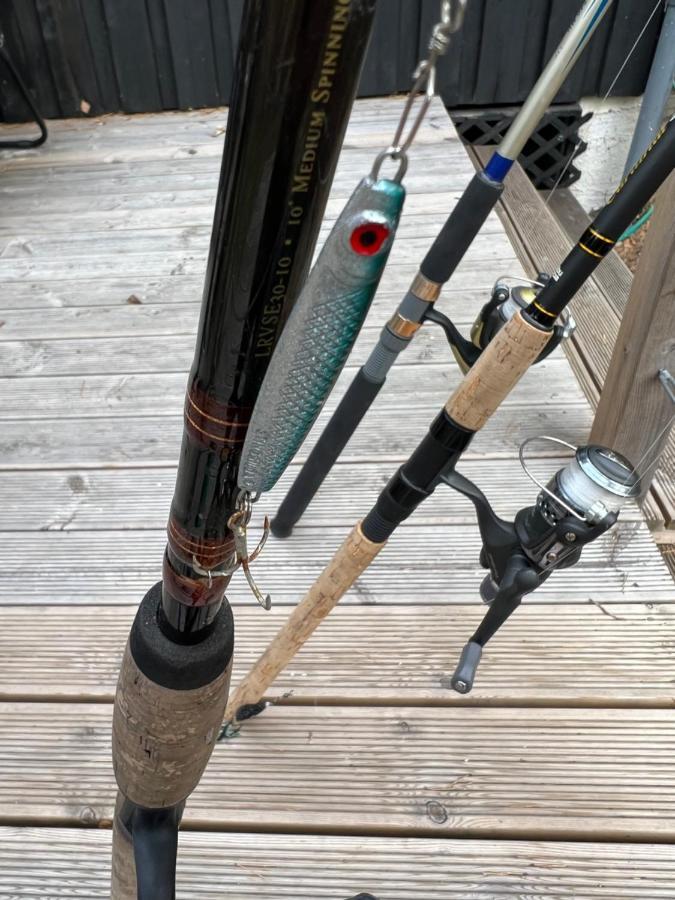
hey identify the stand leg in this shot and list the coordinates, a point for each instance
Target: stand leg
(519, 579)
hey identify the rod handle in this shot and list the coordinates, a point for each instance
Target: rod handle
(462, 226)
(352, 558)
(331, 442)
(168, 706)
(500, 367)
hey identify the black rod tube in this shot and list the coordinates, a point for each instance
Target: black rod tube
(297, 73)
(332, 441)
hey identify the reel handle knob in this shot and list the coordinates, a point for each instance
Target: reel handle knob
(488, 589)
(465, 673)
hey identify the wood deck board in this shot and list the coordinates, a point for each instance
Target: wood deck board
(129, 499)
(574, 655)
(569, 731)
(479, 771)
(422, 563)
(36, 862)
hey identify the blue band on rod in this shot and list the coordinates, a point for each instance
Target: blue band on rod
(498, 168)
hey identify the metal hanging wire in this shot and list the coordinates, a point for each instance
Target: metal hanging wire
(452, 18)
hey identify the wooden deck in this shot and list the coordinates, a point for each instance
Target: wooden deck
(555, 777)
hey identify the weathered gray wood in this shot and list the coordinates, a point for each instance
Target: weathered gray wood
(86, 472)
(473, 772)
(163, 393)
(133, 498)
(45, 443)
(37, 863)
(420, 214)
(635, 413)
(422, 563)
(565, 655)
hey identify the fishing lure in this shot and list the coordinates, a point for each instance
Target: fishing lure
(331, 309)
(321, 330)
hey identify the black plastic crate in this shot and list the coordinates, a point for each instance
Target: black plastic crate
(546, 156)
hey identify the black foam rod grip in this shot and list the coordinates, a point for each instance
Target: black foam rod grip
(332, 441)
(461, 227)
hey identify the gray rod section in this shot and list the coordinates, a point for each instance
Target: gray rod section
(551, 79)
(657, 91)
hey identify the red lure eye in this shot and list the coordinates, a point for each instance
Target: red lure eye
(367, 239)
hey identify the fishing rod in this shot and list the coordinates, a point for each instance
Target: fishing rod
(297, 71)
(417, 306)
(578, 504)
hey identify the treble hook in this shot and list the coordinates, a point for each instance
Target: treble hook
(237, 524)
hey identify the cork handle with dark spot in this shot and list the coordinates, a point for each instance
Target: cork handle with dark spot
(351, 559)
(163, 738)
(500, 367)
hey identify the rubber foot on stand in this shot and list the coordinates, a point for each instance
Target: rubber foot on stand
(465, 673)
(247, 711)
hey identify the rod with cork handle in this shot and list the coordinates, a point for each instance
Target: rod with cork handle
(478, 396)
(297, 70)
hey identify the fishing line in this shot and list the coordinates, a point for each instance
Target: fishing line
(576, 150)
(657, 458)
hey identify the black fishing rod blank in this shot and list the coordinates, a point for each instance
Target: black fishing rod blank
(297, 71)
(440, 262)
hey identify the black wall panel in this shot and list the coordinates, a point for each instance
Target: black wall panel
(83, 57)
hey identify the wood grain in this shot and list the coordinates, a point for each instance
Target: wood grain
(579, 774)
(422, 564)
(634, 413)
(566, 654)
(366, 739)
(37, 863)
(139, 498)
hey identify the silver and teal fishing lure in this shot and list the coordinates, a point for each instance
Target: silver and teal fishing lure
(322, 328)
(331, 309)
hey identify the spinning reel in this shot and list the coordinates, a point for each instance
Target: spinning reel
(579, 503)
(503, 304)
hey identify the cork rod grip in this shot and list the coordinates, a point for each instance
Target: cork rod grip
(351, 559)
(500, 367)
(163, 738)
